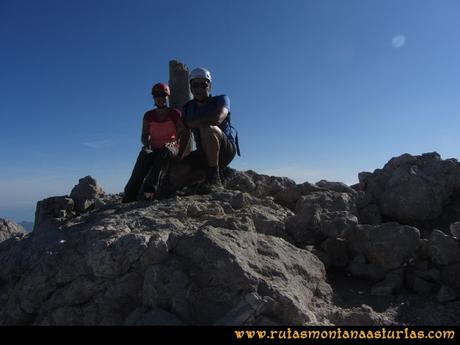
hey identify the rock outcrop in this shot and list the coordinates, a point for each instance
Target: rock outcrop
(208, 259)
(9, 229)
(322, 215)
(265, 251)
(51, 212)
(413, 189)
(179, 84)
(86, 194)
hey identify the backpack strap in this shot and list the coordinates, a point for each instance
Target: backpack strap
(236, 142)
(236, 134)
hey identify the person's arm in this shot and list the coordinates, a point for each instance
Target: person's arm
(145, 136)
(183, 138)
(145, 133)
(214, 117)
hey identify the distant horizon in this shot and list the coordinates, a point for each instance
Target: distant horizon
(318, 89)
(18, 219)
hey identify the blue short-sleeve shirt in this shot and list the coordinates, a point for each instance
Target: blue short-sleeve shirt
(192, 112)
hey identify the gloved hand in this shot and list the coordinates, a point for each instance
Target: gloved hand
(172, 148)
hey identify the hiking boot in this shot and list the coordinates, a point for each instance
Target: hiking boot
(212, 183)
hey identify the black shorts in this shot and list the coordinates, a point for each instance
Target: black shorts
(197, 159)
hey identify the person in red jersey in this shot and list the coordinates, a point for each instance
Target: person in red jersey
(161, 131)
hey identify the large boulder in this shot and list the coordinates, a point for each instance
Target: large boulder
(219, 276)
(321, 215)
(388, 246)
(413, 189)
(51, 212)
(367, 209)
(444, 249)
(289, 195)
(86, 193)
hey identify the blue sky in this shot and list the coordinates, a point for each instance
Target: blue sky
(319, 89)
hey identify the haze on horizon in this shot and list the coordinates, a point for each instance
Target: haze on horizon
(319, 89)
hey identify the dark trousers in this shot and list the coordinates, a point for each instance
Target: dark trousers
(151, 166)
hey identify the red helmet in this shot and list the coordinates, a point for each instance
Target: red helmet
(160, 88)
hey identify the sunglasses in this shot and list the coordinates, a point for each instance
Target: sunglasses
(202, 85)
(160, 95)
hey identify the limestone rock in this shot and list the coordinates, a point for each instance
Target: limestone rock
(51, 212)
(413, 189)
(223, 265)
(85, 193)
(255, 253)
(321, 215)
(444, 249)
(161, 263)
(179, 84)
(368, 210)
(360, 316)
(388, 246)
(258, 185)
(9, 229)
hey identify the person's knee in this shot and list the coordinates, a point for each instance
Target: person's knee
(211, 137)
(210, 131)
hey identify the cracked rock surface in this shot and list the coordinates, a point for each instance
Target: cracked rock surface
(265, 251)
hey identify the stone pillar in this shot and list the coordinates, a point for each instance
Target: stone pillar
(178, 82)
(53, 212)
(180, 91)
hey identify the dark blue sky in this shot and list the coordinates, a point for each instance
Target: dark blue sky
(319, 89)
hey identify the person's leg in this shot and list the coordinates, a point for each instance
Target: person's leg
(227, 152)
(189, 170)
(159, 168)
(141, 169)
(211, 138)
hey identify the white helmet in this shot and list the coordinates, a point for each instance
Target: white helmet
(200, 73)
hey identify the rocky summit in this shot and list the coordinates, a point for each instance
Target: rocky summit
(265, 251)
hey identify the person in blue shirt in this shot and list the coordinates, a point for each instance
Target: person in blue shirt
(208, 118)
